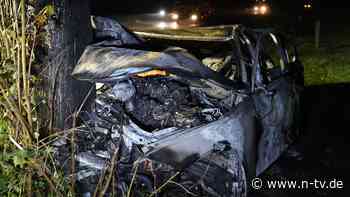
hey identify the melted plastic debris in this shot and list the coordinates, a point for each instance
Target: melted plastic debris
(122, 91)
(91, 160)
(162, 103)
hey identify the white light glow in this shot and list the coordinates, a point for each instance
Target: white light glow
(194, 17)
(308, 6)
(174, 16)
(263, 9)
(174, 25)
(162, 13)
(162, 25)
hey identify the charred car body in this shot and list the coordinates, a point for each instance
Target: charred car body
(173, 125)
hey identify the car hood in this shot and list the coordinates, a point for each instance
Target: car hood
(122, 53)
(111, 63)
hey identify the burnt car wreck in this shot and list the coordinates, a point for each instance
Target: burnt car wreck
(175, 124)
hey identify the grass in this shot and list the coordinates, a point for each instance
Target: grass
(325, 67)
(330, 64)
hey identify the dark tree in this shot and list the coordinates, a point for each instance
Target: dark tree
(69, 32)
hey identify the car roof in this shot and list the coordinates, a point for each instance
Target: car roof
(222, 33)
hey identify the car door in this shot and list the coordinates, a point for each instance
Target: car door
(276, 93)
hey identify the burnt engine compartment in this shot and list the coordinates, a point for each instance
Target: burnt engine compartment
(160, 104)
(156, 103)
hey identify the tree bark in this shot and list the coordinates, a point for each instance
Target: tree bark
(69, 31)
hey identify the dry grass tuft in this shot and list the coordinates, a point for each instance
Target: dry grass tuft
(27, 165)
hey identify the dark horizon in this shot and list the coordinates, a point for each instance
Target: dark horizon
(108, 7)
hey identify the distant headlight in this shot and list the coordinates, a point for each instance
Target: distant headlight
(263, 9)
(194, 17)
(307, 6)
(162, 25)
(162, 13)
(256, 8)
(174, 16)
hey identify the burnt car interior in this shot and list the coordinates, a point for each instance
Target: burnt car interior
(209, 115)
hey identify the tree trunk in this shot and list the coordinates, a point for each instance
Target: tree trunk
(69, 31)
